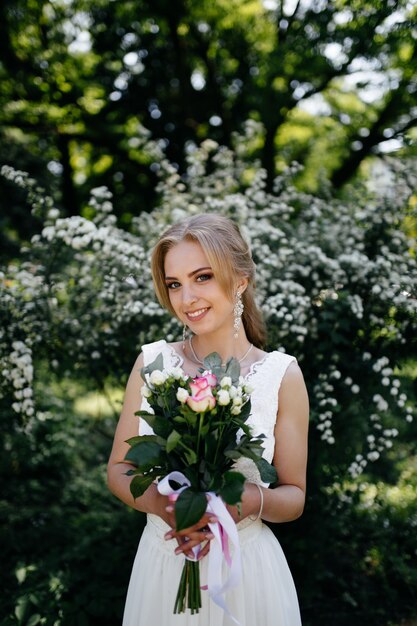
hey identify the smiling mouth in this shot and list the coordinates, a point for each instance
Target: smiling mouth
(195, 315)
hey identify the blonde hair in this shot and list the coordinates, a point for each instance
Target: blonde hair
(229, 256)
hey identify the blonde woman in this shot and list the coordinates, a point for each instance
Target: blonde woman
(204, 275)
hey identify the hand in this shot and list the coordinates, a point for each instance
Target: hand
(188, 538)
(249, 504)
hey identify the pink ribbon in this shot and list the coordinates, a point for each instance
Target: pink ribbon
(225, 532)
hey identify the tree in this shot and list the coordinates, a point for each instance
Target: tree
(80, 80)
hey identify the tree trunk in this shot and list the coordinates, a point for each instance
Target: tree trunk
(69, 199)
(268, 155)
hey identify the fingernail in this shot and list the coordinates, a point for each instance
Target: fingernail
(209, 536)
(212, 520)
(168, 536)
(178, 550)
(169, 508)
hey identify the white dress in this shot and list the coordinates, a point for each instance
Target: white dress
(266, 595)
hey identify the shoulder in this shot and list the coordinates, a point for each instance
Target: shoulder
(283, 362)
(148, 353)
(155, 345)
(288, 368)
(293, 384)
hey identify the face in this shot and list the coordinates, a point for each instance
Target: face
(195, 295)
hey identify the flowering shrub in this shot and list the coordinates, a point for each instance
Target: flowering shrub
(336, 280)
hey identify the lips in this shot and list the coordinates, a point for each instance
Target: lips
(196, 315)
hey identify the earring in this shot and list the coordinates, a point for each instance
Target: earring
(237, 311)
(184, 337)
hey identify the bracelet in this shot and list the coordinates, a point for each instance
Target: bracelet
(261, 506)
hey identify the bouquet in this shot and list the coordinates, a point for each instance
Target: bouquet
(200, 431)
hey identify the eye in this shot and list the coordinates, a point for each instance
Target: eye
(202, 278)
(173, 285)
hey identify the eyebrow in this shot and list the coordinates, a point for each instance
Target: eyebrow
(200, 269)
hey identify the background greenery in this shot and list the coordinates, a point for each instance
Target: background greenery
(139, 97)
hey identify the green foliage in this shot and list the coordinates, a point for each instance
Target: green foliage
(63, 535)
(337, 284)
(80, 80)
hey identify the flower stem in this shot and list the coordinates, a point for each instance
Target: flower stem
(189, 594)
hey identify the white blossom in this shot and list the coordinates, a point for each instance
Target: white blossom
(182, 395)
(146, 392)
(157, 377)
(223, 397)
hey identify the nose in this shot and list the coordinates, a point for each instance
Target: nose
(188, 297)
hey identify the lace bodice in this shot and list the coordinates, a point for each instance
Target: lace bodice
(265, 377)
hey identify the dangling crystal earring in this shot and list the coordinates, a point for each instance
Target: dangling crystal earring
(237, 311)
(184, 337)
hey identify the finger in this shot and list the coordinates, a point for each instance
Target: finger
(195, 537)
(204, 551)
(201, 525)
(195, 540)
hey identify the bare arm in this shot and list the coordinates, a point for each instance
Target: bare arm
(119, 484)
(285, 502)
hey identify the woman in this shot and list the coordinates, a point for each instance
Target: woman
(203, 274)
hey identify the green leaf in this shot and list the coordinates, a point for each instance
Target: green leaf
(250, 453)
(172, 441)
(179, 419)
(144, 454)
(233, 454)
(212, 361)
(149, 418)
(189, 508)
(139, 484)
(245, 411)
(267, 471)
(190, 456)
(162, 427)
(233, 370)
(139, 438)
(232, 488)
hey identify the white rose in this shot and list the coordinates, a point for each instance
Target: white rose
(232, 392)
(157, 377)
(235, 410)
(182, 395)
(223, 397)
(176, 373)
(226, 382)
(237, 401)
(146, 392)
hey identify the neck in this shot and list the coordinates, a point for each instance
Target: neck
(226, 346)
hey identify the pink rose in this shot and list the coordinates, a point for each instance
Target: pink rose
(211, 378)
(202, 398)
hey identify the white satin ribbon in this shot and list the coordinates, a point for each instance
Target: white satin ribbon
(223, 530)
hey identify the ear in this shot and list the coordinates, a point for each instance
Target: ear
(242, 284)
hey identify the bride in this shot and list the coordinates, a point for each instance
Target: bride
(204, 275)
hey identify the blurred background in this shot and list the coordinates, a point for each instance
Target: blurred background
(298, 119)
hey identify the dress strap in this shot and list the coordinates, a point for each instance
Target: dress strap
(151, 351)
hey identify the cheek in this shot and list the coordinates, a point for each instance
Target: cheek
(173, 298)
